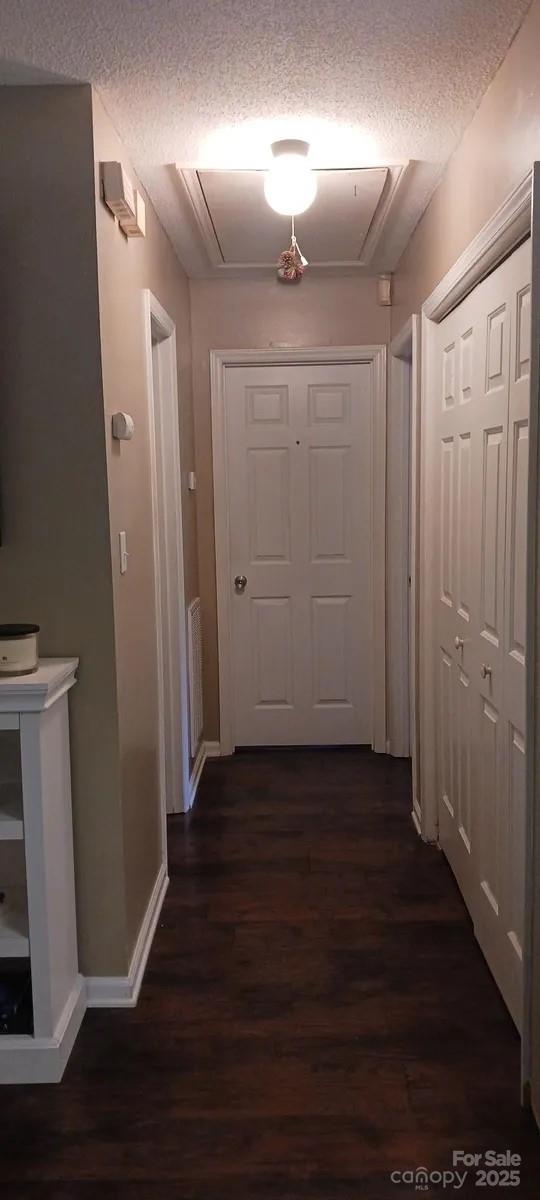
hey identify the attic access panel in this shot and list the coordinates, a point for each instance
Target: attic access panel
(248, 232)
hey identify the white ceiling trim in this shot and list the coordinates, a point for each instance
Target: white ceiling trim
(508, 226)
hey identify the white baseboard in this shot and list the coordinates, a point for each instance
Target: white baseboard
(206, 750)
(396, 749)
(26, 1059)
(122, 991)
(416, 822)
(197, 772)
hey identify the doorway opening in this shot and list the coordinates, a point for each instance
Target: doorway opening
(403, 479)
(171, 644)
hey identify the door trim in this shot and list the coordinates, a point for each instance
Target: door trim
(402, 550)
(508, 226)
(397, 543)
(220, 362)
(159, 326)
(530, 1073)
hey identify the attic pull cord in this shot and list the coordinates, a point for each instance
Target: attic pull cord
(295, 246)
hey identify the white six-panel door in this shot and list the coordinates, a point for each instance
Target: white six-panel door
(481, 406)
(300, 527)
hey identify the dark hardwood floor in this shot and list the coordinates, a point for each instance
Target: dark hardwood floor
(315, 1015)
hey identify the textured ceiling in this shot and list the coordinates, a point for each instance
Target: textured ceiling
(211, 82)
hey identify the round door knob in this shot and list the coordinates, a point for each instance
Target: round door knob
(240, 583)
(458, 642)
(485, 671)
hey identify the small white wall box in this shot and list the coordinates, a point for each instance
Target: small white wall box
(123, 426)
(384, 290)
(136, 226)
(122, 199)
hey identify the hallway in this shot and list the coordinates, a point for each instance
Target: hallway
(315, 1014)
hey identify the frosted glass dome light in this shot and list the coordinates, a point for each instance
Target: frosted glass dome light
(290, 186)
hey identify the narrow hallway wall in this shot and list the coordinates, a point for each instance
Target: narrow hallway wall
(125, 268)
(494, 155)
(55, 565)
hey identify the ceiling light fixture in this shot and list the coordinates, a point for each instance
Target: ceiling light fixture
(290, 186)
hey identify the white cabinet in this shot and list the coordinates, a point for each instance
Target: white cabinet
(37, 888)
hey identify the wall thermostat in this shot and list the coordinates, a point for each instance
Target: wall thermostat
(123, 426)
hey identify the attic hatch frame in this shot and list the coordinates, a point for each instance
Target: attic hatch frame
(190, 184)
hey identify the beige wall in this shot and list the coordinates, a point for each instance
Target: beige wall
(55, 556)
(126, 267)
(73, 353)
(229, 314)
(494, 155)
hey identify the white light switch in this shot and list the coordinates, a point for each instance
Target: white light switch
(192, 481)
(123, 552)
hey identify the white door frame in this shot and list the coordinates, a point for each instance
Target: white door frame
(403, 418)
(530, 1073)
(220, 362)
(168, 563)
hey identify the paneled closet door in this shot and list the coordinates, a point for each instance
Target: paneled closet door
(500, 911)
(481, 462)
(459, 354)
(493, 304)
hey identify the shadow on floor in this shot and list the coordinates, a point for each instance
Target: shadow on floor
(316, 1013)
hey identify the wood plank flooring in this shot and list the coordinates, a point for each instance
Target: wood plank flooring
(316, 1013)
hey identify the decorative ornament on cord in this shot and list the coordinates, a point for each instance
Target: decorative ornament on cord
(291, 262)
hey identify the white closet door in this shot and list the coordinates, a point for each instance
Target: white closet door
(489, 547)
(300, 521)
(453, 594)
(471, 409)
(482, 357)
(500, 916)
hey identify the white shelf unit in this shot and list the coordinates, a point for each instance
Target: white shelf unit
(14, 940)
(11, 811)
(37, 907)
